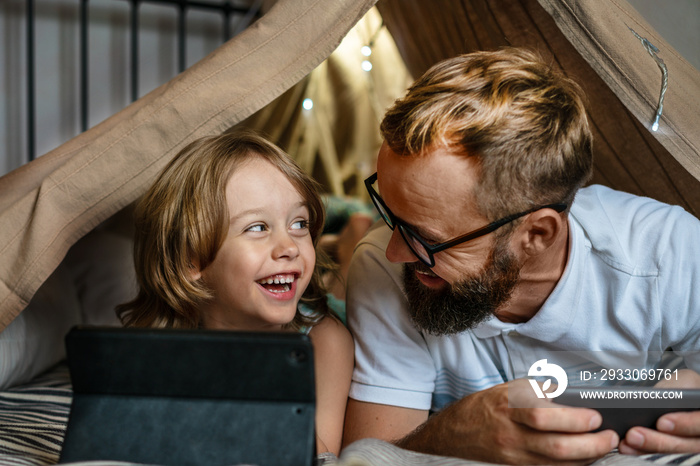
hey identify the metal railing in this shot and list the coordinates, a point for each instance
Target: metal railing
(224, 7)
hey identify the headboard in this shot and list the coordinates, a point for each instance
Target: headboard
(70, 64)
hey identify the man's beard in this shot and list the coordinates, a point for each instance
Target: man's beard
(466, 303)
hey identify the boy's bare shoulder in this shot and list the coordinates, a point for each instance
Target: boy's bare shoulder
(331, 335)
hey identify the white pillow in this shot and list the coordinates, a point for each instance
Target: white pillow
(102, 268)
(34, 340)
(96, 275)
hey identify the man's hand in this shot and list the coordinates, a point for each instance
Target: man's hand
(483, 426)
(675, 432)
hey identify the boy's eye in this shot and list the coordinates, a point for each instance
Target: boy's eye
(300, 225)
(256, 228)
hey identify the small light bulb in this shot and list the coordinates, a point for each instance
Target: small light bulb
(366, 65)
(308, 104)
(655, 126)
(366, 50)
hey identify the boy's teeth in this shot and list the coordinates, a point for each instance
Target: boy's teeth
(283, 290)
(277, 280)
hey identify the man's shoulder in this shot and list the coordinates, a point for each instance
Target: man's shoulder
(628, 229)
(601, 206)
(373, 245)
(377, 236)
(605, 197)
(369, 263)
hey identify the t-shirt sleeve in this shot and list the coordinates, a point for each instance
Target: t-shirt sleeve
(392, 363)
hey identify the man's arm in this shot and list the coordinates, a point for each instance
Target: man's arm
(393, 365)
(483, 427)
(384, 422)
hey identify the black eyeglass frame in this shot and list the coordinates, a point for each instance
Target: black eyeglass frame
(431, 249)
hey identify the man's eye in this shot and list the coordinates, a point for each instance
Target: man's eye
(416, 238)
(300, 225)
(429, 241)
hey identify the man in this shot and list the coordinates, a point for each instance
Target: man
(498, 139)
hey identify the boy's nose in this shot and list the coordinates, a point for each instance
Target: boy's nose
(285, 247)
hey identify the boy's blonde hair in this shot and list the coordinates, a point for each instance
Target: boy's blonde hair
(523, 121)
(183, 220)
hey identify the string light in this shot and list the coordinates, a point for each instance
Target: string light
(307, 104)
(653, 51)
(366, 50)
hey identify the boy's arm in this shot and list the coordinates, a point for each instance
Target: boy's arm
(333, 363)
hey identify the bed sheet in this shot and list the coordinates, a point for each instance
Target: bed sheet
(33, 420)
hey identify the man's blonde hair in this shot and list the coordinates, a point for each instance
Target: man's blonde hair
(524, 122)
(183, 220)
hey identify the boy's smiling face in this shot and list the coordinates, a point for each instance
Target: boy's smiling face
(267, 258)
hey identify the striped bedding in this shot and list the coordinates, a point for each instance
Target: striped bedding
(33, 420)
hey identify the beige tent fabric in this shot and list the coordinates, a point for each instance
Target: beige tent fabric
(602, 34)
(47, 205)
(338, 139)
(626, 155)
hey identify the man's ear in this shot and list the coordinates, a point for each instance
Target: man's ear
(539, 231)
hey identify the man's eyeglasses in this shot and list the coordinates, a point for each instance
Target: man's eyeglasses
(425, 251)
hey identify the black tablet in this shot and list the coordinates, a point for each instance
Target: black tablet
(190, 397)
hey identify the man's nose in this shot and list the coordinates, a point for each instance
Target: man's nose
(397, 250)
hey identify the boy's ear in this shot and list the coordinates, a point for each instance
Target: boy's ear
(195, 271)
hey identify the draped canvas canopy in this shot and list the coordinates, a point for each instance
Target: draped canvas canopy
(47, 205)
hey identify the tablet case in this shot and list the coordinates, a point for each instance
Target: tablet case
(183, 397)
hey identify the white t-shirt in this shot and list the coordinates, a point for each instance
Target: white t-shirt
(629, 290)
